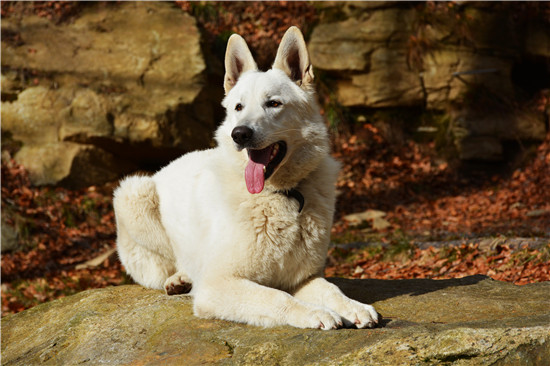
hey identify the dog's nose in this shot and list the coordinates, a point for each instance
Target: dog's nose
(242, 134)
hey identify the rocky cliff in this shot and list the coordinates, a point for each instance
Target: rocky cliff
(121, 86)
(474, 62)
(468, 321)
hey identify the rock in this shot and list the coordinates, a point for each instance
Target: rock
(467, 59)
(372, 46)
(376, 217)
(70, 164)
(380, 224)
(499, 121)
(349, 44)
(537, 213)
(468, 321)
(450, 72)
(359, 217)
(394, 56)
(10, 235)
(387, 67)
(122, 78)
(480, 148)
(482, 125)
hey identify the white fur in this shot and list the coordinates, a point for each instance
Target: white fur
(251, 258)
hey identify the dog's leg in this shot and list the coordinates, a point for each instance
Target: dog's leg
(320, 291)
(143, 246)
(245, 301)
(178, 283)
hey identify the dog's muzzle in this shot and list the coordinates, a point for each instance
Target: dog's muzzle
(262, 161)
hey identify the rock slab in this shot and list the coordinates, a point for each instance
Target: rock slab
(468, 321)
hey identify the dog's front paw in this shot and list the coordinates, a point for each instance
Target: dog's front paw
(320, 318)
(177, 284)
(359, 315)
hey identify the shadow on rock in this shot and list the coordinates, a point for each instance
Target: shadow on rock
(371, 290)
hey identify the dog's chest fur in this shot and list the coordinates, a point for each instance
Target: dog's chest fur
(286, 246)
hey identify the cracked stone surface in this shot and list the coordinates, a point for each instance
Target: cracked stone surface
(468, 321)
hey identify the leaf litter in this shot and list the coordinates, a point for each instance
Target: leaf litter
(60, 229)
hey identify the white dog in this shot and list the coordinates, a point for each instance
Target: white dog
(247, 224)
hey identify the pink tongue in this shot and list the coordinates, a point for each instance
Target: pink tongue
(254, 171)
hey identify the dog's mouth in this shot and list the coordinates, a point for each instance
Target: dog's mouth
(262, 164)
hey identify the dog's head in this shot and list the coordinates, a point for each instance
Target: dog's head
(272, 117)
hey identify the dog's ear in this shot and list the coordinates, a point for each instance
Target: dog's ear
(293, 58)
(238, 59)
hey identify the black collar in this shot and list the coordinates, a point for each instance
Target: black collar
(294, 193)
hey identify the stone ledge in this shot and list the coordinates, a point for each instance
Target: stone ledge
(468, 321)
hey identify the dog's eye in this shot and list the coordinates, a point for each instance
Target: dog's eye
(273, 104)
(239, 107)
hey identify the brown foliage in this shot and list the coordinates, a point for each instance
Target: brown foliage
(262, 24)
(521, 266)
(60, 229)
(56, 11)
(425, 196)
(57, 229)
